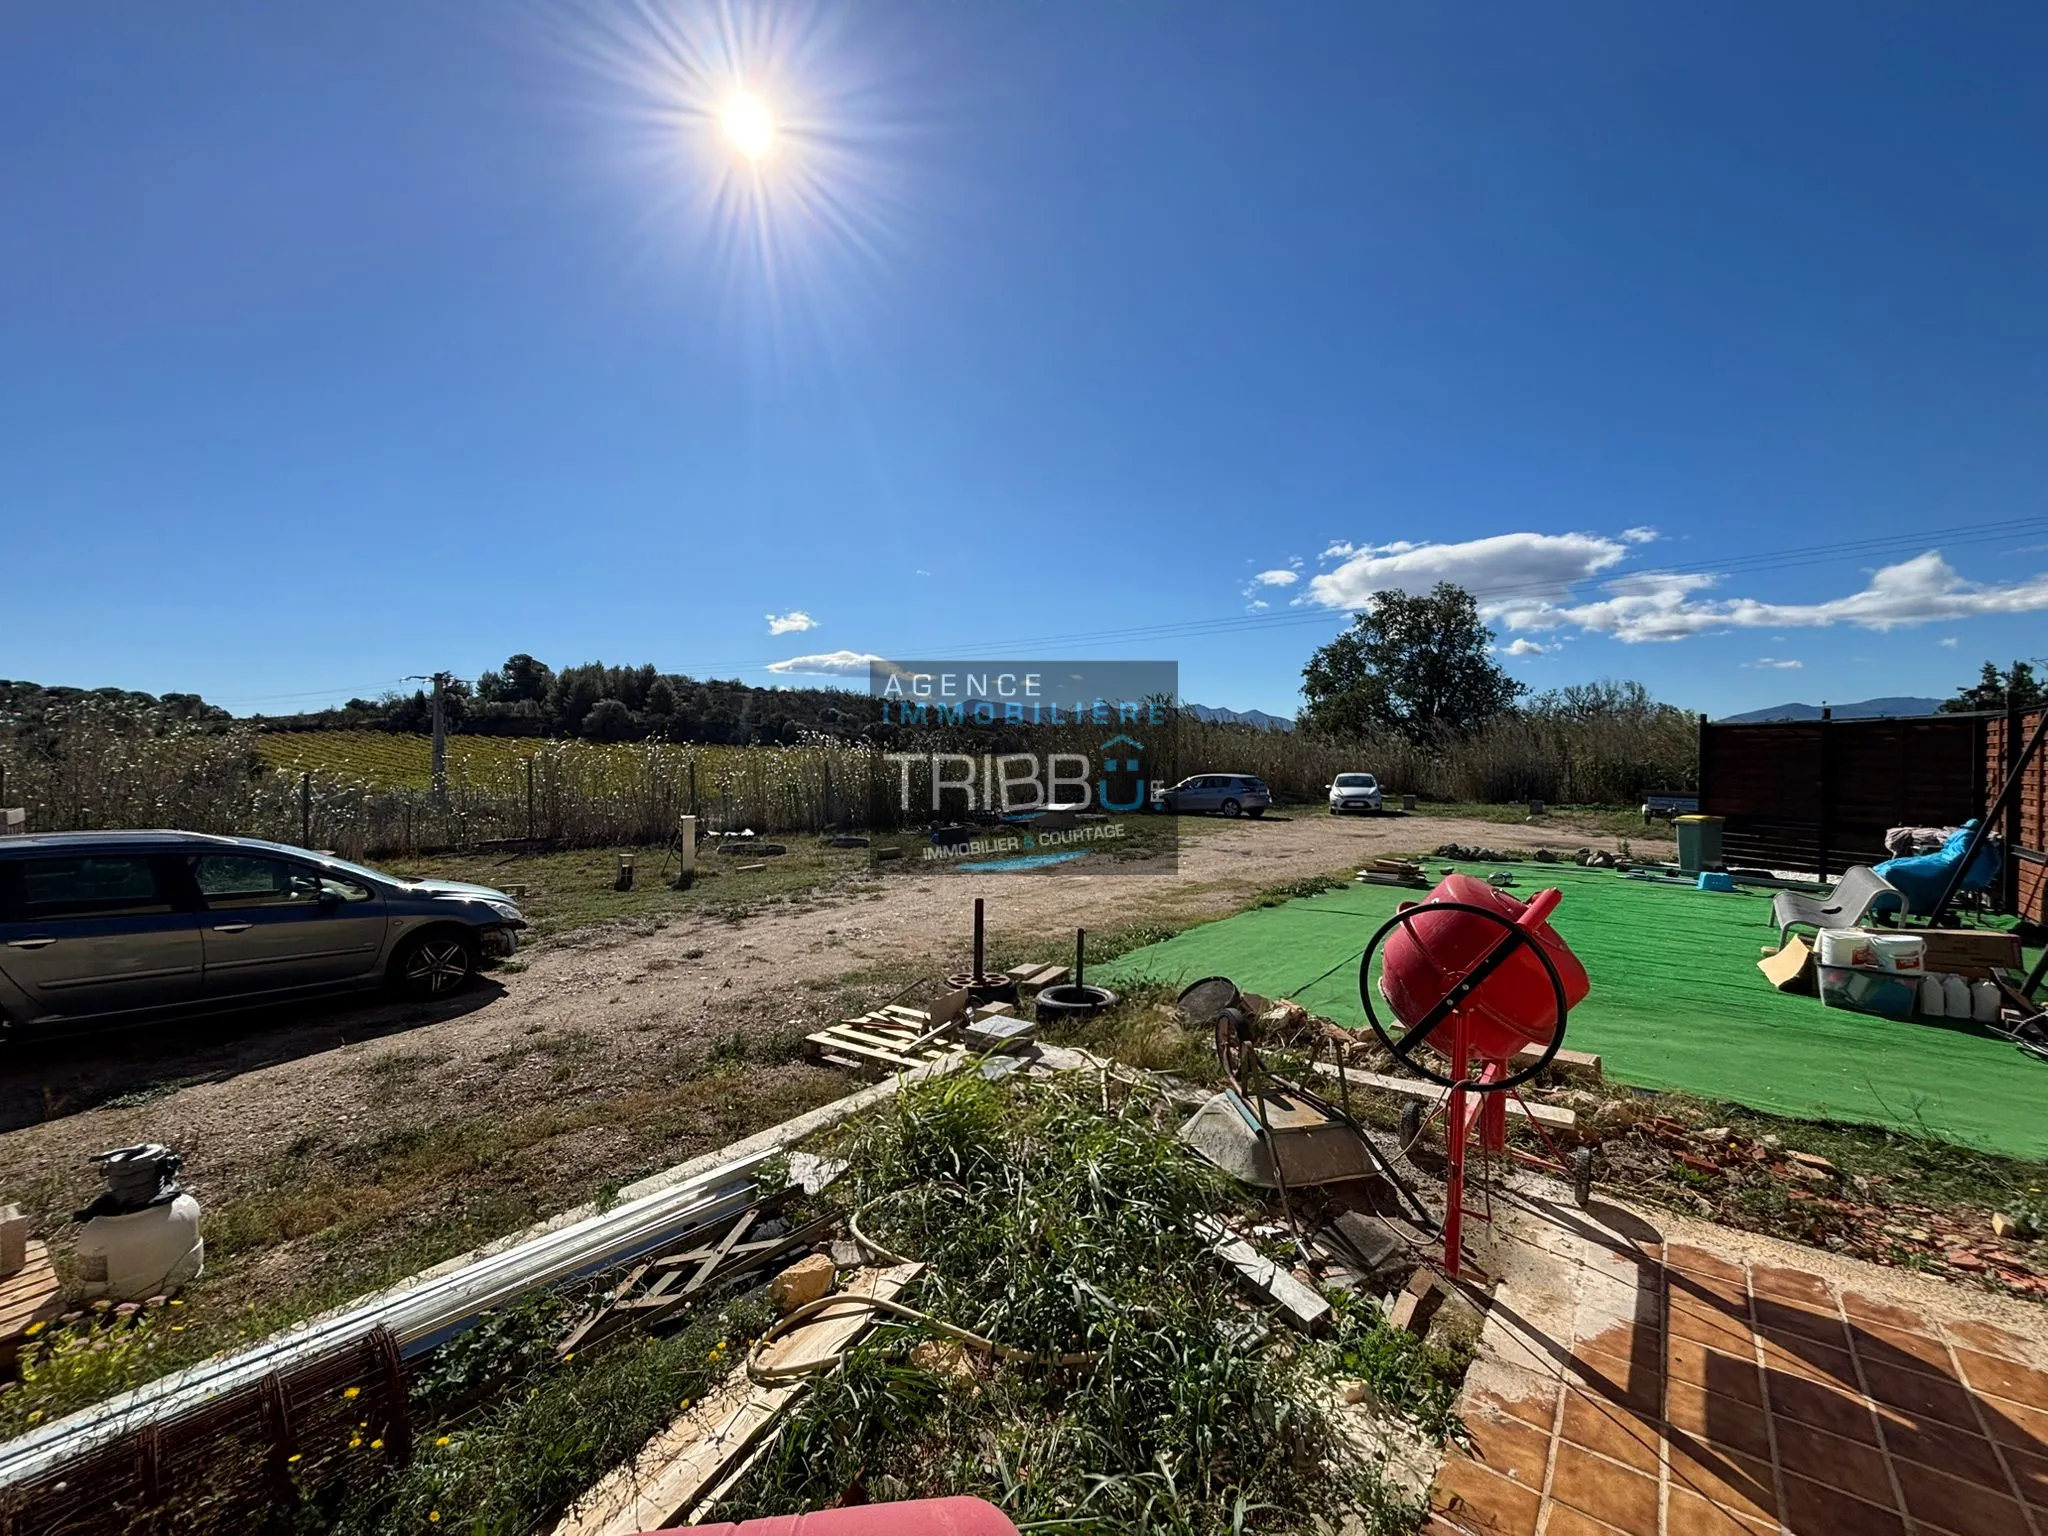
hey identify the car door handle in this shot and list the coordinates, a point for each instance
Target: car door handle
(30, 943)
(232, 927)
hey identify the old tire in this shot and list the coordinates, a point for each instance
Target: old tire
(1411, 1126)
(1231, 809)
(435, 963)
(1069, 1000)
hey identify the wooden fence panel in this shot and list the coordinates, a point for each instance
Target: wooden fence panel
(1819, 795)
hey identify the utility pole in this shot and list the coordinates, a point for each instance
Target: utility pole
(440, 680)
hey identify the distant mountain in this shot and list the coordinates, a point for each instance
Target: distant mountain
(1257, 718)
(1866, 709)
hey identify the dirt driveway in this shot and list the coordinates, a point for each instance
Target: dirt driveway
(605, 1055)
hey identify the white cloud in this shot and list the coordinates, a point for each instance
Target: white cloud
(1643, 534)
(1528, 647)
(1948, 642)
(1509, 573)
(1281, 578)
(830, 664)
(1256, 605)
(1923, 590)
(1773, 662)
(1340, 550)
(794, 622)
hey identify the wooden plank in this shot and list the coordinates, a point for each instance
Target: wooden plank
(1301, 1307)
(31, 1294)
(1416, 1088)
(1579, 1065)
(896, 1045)
(691, 1457)
(824, 1044)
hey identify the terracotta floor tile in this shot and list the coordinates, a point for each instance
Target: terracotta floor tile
(1627, 1382)
(2031, 1473)
(1537, 1406)
(1816, 1403)
(1563, 1520)
(1945, 1448)
(1878, 1344)
(1875, 1309)
(1724, 1332)
(1717, 1370)
(1783, 1284)
(1625, 1499)
(2005, 1378)
(1955, 1505)
(1814, 1509)
(1480, 1501)
(1683, 1290)
(1921, 1395)
(1631, 1341)
(1610, 1429)
(1846, 1464)
(1697, 1261)
(1992, 1341)
(2012, 1424)
(1803, 1357)
(1717, 1421)
(1742, 1483)
(1687, 1514)
(1790, 1321)
(1515, 1450)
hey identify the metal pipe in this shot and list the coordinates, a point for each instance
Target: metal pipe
(977, 943)
(1080, 944)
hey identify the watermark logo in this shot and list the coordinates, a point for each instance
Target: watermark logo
(1011, 765)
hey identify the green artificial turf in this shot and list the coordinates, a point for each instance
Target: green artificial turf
(1677, 1003)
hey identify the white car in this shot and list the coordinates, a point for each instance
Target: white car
(1355, 792)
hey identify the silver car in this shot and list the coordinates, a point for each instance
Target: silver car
(1355, 792)
(100, 928)
(1229, 794)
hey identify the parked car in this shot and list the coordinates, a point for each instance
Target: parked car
(1355, 792)
(105, 928)
(1230, 794)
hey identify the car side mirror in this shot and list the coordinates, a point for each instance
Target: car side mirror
(328, 898)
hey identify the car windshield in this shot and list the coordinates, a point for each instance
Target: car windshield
(1354, 781)
(359, 869)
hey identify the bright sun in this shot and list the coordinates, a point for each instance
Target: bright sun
(748, 125)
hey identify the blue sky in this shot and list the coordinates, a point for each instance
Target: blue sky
(343, 343)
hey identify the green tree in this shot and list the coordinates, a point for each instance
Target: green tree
(609, 720)
(1420, 666)
(1989, 690)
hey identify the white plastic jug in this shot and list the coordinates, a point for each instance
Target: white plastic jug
(1956, 993)
(1933, 998)
(1984, 1001)
(139, 1254)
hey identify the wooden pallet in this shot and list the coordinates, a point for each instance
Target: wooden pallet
(895, 1038)
(32, 1294)
(659, 1286)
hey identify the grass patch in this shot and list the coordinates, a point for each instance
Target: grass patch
(1565, 820)
(572, 890)
(1055, 1228)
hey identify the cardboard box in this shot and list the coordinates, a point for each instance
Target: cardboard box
(1970, 952)
(1791, 968)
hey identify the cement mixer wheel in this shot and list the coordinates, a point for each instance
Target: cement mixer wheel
(1412, 1121)
(1411, 1040)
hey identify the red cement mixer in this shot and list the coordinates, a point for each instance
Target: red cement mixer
(1478, 977)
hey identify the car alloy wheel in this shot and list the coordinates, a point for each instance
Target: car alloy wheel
(437, 966)
(1230, 807)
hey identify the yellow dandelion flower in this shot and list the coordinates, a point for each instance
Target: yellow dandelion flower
(291, 1458)
(176, 1303)
(34, 1329)
(36, 1417)
(568, 1357)
(358, 1440)
(351, 1392)
(442, 1441)
(376, 1445)
(433, 1517)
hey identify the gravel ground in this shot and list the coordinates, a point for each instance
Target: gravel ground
(598, 1015)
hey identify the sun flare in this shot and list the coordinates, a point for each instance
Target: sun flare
(749, 125)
